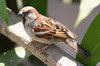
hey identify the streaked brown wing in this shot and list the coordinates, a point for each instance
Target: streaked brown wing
(51, 29)
(43, 26)
(64, 29)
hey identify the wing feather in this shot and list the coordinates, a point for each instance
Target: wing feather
(48, 28)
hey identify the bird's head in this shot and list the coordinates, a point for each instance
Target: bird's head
(28, 13)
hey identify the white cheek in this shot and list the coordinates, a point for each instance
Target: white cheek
(31, 17)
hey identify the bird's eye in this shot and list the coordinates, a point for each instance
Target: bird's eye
(26, 13)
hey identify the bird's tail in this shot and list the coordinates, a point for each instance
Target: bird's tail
(83, 52)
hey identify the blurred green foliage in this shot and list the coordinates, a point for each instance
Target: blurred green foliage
(3, 11)
(11, 58)
(91, 41)
(40, 5)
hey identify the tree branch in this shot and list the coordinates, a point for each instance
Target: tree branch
(52, 56)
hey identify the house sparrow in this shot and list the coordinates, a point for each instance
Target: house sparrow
(46, 30)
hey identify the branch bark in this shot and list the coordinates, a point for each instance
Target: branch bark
(52, 56)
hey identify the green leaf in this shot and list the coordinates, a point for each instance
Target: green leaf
(86, 6)
(91, 42)
(40, 5)
(3, 10)
(12, 57)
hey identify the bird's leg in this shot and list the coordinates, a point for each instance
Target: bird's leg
(40, 47)
(33, 42)
(30, 44)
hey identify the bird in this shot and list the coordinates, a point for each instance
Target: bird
(48, 31)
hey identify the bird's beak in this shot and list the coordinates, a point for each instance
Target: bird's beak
(20, 14)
